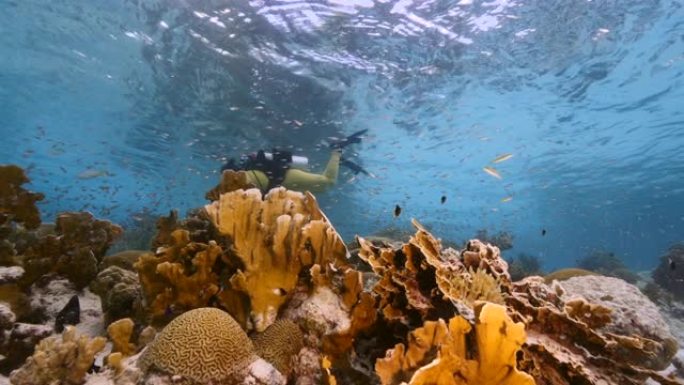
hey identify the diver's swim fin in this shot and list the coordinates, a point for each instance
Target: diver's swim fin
(351, 139)
(354, 167)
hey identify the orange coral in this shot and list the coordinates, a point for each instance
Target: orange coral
(274, 238)
(120, 333)
(438, 353)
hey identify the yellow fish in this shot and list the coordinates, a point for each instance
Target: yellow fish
(506, 199)
(502, 158)
(491, 171)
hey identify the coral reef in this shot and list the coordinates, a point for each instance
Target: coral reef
(275, 239)
(74, 252)
(420, 281)
(273, 265)
(607, 263)
(61, 359)
(441, 353)
(202, 345)
(631, 313)
(560, 345)
(669, 273)
(279, 343)
(120, 293)
(179, 277)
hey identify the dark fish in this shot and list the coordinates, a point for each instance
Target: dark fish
(672, 264)
(443, 199)
(69, 315)
(397, 211)
(543, 232)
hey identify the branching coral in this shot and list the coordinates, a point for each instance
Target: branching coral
(179, 276)
(438, 353)
(275, 238)
(64, 360)
(120, 332)
(79, 244)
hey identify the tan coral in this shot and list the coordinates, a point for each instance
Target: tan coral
(279, 343)
(120, 333)
(562, 345)
(275, 238)
(439, 353)
(61, 359)
(202, 345)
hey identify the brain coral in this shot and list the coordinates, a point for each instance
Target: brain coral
(203, 345)
(279, 343)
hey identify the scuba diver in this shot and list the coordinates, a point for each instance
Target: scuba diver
(280, 168)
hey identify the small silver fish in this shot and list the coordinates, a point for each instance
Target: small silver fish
(502, 158)
(491, 171)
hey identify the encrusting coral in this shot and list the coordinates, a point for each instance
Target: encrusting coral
(275, 238)
(440, 353)
(202, 345)
(61, 359)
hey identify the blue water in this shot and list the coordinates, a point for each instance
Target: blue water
(154, 95)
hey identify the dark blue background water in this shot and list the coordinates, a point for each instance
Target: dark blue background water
(587, 96)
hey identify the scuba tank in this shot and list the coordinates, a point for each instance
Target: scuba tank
(298, 161)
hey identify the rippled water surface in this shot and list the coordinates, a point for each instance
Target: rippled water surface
(123, 107)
